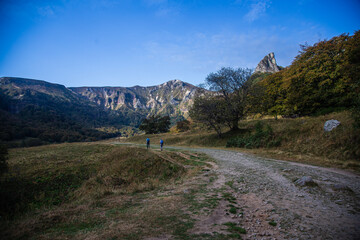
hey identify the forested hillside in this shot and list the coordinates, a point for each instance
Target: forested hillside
(37, 111)
(322, 78)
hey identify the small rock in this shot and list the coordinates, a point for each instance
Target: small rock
(330, 125)
(305, 181)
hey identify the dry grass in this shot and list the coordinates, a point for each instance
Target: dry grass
(100, 192)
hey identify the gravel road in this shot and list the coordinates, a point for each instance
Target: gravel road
(266, 189)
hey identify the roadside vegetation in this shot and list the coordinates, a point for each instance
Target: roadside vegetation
(300, 139)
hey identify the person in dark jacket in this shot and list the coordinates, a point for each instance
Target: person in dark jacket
(161, 144)
(147, 143)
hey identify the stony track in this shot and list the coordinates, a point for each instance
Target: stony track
(266, 190)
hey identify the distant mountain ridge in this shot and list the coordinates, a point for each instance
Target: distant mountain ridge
(167, 98)
(51, 112)
(170, 98)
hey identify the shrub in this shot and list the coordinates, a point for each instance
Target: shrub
(261, 138)
(183, 126)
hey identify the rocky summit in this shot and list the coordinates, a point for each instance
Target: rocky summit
(267, 64)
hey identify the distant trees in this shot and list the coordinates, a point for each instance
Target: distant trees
(39, 118)
(155, 124)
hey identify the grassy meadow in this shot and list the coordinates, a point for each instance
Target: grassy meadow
(299, 139)
(104, 190)
(95, 190)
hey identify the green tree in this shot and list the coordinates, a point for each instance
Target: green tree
(155, 124)
(273, 98)
(209, 110)
(232, 86)
(352, 71)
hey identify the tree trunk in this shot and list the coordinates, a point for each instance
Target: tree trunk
(235, 125)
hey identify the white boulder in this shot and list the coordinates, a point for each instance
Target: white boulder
(330, 125)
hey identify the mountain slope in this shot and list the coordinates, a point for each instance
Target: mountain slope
(171, 98)
(48, 112)
(54, 113)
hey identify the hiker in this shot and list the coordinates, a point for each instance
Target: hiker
(161, 144)
(147, 143)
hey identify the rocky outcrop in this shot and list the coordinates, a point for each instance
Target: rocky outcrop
(267, 64)
(171, 98)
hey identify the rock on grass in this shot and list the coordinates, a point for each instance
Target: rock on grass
(306, 181)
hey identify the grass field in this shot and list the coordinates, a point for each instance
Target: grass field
(301, 139)
(105, 191)
(95, 190)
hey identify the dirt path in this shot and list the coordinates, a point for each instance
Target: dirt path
(268, 204)
(266, 192)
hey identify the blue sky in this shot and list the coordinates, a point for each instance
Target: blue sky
(148, 42)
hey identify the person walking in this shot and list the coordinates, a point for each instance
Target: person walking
(161, 144)
(147, 143)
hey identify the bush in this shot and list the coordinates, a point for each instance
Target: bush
(183, 126)
(261, 138)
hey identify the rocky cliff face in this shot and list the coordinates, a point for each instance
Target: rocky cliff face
(267, 64)
(28, 102)
(173, 97)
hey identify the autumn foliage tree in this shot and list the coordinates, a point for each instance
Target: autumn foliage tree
(318, 80)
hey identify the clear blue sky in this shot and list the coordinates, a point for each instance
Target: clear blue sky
(148, 42)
